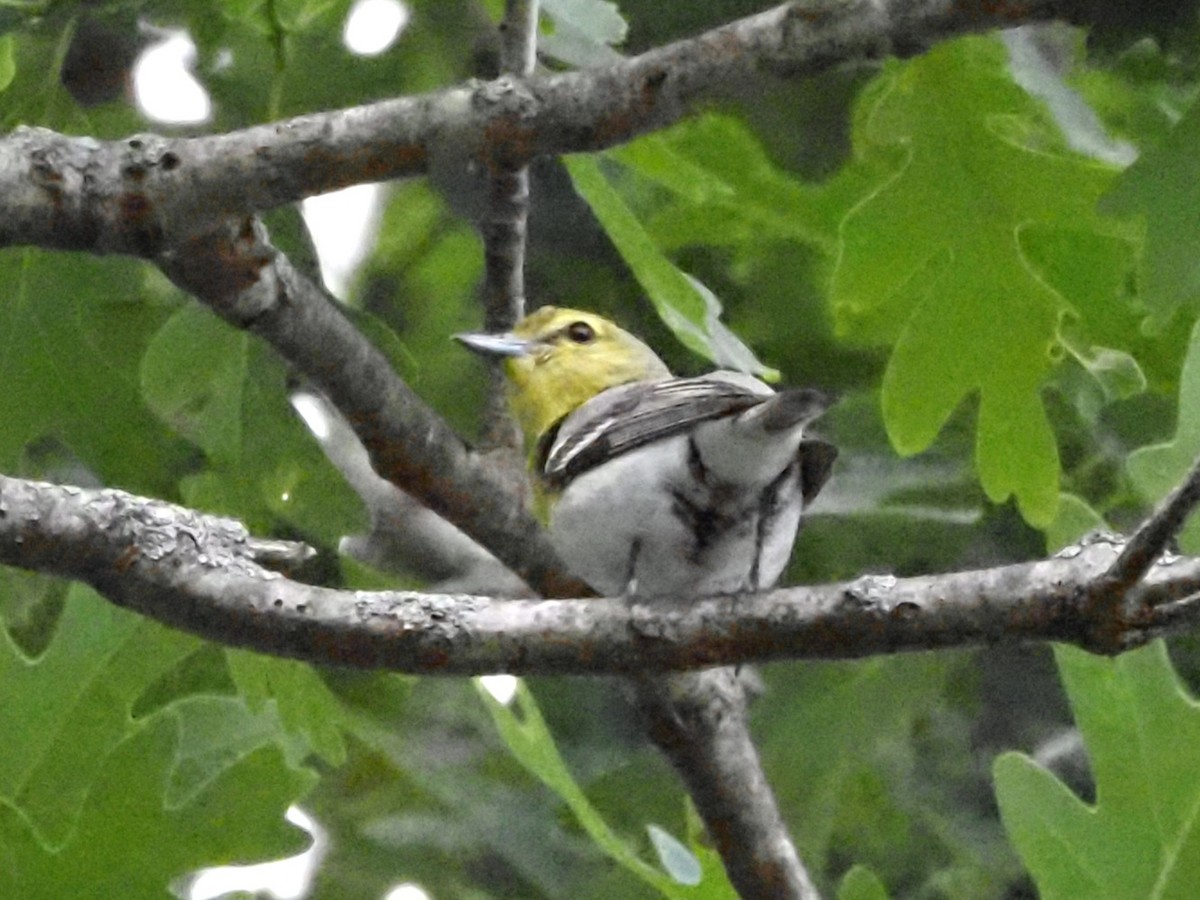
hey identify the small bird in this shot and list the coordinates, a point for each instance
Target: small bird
(653, 485)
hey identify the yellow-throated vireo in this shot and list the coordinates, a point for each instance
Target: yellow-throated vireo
(656, 485)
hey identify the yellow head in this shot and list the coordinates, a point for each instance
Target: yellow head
(557, 359)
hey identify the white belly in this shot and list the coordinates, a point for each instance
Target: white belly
(641, 523)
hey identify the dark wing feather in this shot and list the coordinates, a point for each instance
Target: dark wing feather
(632, 415)
(816, 465)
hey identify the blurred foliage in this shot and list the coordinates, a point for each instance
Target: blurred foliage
(1140, 728)
(961, 246)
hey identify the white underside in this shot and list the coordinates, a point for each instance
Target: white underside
(618, 528)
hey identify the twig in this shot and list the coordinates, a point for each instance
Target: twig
(504, 228)
(1150, 541)
(1111, 600)
(518, 37)
(1175, 617)
(143, 194)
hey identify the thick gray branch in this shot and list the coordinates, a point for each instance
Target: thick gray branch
(700, 722)
(183, 569)
(144, 193)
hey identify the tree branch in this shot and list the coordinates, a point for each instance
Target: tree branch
(1150, 541)
(199, 574)
(1112, 597)
(142, 194)
(699, 721)
(250, 284)
(406, 537)
(504, 228)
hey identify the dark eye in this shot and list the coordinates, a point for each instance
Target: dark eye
(580, 332)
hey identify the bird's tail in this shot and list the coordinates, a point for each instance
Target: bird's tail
(755, 446)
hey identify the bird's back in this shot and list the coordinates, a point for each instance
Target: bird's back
(683, 486)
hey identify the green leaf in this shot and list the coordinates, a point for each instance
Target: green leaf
(132, 842)
(1163, 188)
(860, 883)
(727, 191)
(215, 734)
(714, 882)
(429, 789)
(276, 472)
(92, 793)
(1101, 328)
(296, 15)
(932, 262)
(1157, 469)
(1141, 730)
(679, 862)
(8, 65)
(192, 376)
(852, 784)
(1117, 373)
(688, 308)
(422, 282)
(583, 32)
(62, 713)
(1074, 520)
(523, 729)
(258, 59)
(72, 330)
(306, 707)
